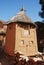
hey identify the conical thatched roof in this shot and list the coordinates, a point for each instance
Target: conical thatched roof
(21, 17)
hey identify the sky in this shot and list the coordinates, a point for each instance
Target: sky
(9, 8)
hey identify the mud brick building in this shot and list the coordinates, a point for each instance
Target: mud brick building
(21, 35)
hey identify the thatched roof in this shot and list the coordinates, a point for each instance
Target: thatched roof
(21, 17)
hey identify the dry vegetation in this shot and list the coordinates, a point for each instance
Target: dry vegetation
(8, 60)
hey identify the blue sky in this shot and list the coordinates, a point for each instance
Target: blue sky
(9, 8)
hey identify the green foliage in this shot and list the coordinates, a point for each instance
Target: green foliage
(41, 1)
(41, 14)
(42, 8)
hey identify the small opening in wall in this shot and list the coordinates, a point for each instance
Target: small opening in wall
(32, 42)
(22, 42)
(26, 32)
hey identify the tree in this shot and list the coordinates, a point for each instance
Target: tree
(42, 9)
